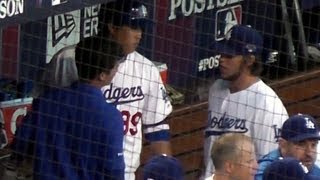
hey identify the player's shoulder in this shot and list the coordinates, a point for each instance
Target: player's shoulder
(264, 89)
(268, 97)
(137, 57)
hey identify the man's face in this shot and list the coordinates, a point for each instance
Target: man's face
(305, 151)
(231, 67)
(246, 166)
(129, 38)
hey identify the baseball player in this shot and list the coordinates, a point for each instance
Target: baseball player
(240, 101)
(137, 89)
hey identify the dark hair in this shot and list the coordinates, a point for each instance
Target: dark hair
(94, 55)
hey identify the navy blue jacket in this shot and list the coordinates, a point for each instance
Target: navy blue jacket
(75, 134)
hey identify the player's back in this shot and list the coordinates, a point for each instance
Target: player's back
(78, 135)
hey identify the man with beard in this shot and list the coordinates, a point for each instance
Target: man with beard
(299, 139)
(240, 101)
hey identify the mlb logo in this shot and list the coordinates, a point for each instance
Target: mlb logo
(225, 19)
(58, 2)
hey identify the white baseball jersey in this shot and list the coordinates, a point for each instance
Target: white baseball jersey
(140, 95)
(256, 111)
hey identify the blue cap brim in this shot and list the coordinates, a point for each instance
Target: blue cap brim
(304, 137)
(223, 47)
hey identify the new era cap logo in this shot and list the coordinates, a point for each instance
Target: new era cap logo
(58, 2)
(309, 123)
(62, 26)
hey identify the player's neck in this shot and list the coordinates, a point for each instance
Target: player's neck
(242, 82)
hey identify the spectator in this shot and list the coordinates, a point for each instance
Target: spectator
(299, 139)
(240, 101)
(76, 134)
(234, 157)
(163, 167)
(287, 169)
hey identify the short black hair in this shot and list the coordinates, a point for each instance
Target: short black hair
(95, 55)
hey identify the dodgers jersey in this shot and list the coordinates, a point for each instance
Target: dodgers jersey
(256, 111)
(138, 92)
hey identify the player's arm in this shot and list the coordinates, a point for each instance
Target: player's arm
(158, 107)
(158, 135)
(161, 147)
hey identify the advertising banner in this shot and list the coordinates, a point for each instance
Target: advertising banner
(12, 113)
(185, 32)
(67, 29)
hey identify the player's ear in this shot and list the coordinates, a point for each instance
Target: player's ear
(250, 59)
(283, 146)
(229, 166)
(102, 76)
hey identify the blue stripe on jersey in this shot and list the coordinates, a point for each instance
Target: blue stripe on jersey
(163, 135)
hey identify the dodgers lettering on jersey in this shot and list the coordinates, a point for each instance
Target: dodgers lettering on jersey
(220, 125)
(256, 111)
(118, 95)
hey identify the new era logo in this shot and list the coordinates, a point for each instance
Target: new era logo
(57, 2)
(62, 26)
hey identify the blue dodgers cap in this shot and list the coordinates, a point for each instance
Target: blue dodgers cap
(300, 127)
(287, 169)
(125, 12)
(240, 40)
(163, 167)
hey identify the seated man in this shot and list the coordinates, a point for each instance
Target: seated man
(299, 139)
(234, 157)
(287, 169)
